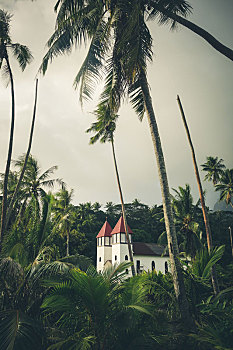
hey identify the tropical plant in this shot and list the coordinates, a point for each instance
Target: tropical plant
(214, 168)
(64, 214)
(21, 296)
(98, 310)
(215, 327)
(186, 219)
(104, 128)
(23, 56)
(13, 199)
(176, 11)
(225, 187)
(121, 46)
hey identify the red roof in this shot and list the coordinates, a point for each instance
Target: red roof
(105, 230)
(120, 227)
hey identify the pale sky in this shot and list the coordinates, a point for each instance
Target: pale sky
(183, 64)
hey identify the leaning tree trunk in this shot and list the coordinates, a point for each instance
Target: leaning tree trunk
(202, 199)
(167, 208)
(7, 170)
(12, 202)
(123, 210)
(224, 50)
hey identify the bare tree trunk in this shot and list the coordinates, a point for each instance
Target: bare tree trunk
(230, 234)
(202, 199)
(12, 202)
(167, 208)
(224, 50)
(123, 210)
(68, 243)
(7, 170)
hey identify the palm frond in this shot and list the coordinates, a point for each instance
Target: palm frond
(90, 71)
(23, 55)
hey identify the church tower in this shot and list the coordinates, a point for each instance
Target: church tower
(120, 252)
(104, 246)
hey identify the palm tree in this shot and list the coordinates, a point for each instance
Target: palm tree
(104, 129)
(23, 56)
(33, 197)
(63, 212)
(13, 199)
(99, 311)
(186, 220)
(214, 168)
(226, 187)
(176, 11)
(119, 37)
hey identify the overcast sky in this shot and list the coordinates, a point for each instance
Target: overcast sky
(183, 64)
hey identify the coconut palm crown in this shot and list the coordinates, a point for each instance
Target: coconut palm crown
(214, 168)
(226, 187)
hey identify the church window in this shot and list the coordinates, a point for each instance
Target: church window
(123, 238)
(126, 257)
(127, 271)
(166, 267)
(138, 266)
(100, 259)
(115, 257)
(153, 266)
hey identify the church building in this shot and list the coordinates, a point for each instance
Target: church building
(112, 248)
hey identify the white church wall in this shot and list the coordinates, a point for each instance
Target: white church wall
(104, 253)
(146, 262)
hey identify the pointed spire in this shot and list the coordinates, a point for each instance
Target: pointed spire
(120, 227)
(105, 230)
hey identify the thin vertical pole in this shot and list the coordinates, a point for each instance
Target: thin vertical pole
(202, 199)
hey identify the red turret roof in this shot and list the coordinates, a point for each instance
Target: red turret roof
(105, 230)
(120, 227)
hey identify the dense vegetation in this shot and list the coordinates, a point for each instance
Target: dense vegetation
(51, 296)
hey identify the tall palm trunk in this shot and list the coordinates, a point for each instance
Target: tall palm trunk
(123, 209)
(10, 147)
(167, 208)
(12, 202)
(202, 199)
(224, 50)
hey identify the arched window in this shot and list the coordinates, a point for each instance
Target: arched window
(166, 267)
(126, 257)
(127, 271)
(100, 259)
(115, 257)
(153, 266)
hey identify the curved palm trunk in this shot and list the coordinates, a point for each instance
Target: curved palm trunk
(224, 50)
(12, 202)
(7, 170)
(167, 208)
(202, 199)
(123, 210)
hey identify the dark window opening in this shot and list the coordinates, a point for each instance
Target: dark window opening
(138, 266)
(166, 267)
(100, 259)
(153, 265)
(115, 257)
(126, 257)
(127, 271)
